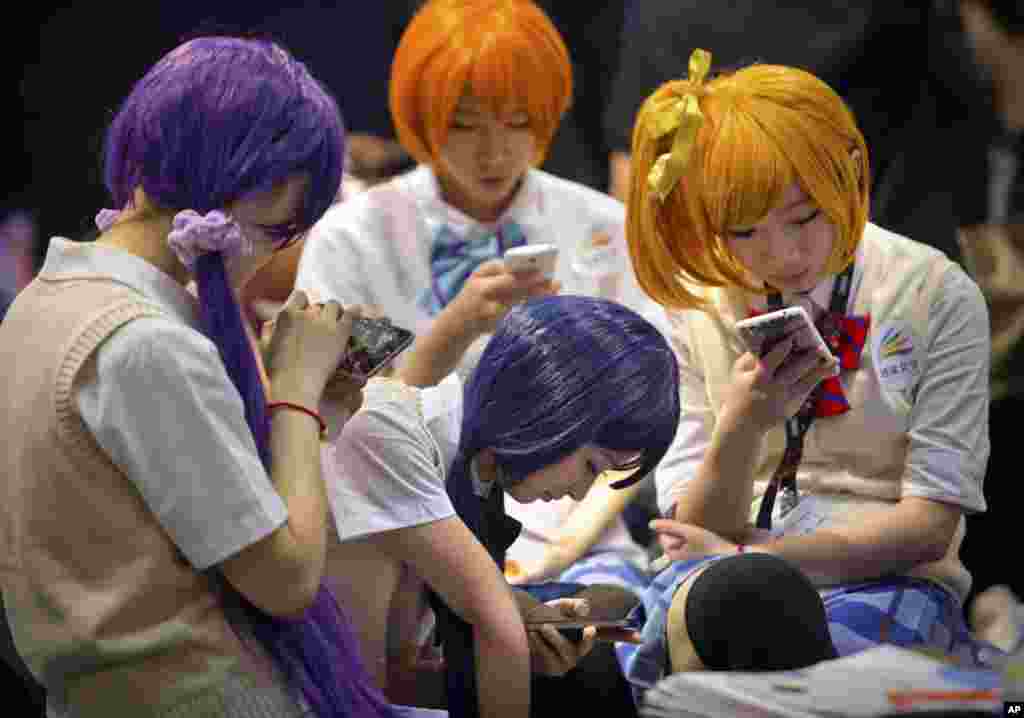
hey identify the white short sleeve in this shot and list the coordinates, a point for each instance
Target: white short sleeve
(948, 437)
(385, 471)
(693, 437)
(163, 408)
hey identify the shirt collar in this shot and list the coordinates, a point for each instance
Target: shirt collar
(87, 260)
(527, 207)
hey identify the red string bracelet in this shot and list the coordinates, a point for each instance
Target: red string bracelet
(305, 410)
(741, 548)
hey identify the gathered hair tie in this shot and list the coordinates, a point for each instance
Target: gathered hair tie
(105, 218)
(682, 115)
(193, 235)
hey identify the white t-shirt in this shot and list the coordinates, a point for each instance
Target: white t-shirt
(387, 468)
(374, 248)
(159, 402)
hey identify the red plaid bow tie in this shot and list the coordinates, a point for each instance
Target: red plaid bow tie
(845, 337)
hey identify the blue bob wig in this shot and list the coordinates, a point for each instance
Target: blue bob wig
(565, 371)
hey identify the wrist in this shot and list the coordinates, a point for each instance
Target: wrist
(306, 409)
(735, 432)
(461, 320)
(295, 393)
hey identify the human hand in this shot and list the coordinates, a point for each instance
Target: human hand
(766, 391)
(304, 345)
(551, 653)
(491, 290)
(682, 541)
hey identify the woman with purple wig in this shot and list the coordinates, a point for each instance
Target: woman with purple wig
(163, 526)
(567, 388)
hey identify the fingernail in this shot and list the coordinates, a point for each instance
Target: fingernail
(583, 608)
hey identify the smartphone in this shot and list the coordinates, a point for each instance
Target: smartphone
(530, 257)
(760, 334)
(372, 344)
(573, 628)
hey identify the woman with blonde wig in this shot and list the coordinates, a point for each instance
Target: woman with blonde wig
(750, 192)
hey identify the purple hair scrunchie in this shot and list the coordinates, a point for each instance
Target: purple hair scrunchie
(193, 234)
(105, 218)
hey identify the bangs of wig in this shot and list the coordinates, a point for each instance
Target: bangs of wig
(566, 371)
(507, 53)
(220, 118)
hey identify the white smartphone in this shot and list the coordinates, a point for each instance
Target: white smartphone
(761, 333)
(532, 257)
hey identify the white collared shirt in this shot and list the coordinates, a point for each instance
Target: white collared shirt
(159, 402)
(374, 249)
(948, 423)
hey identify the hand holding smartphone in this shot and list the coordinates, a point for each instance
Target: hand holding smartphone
(372, 344)
(762, 333)
(532, 257)
(572, 629)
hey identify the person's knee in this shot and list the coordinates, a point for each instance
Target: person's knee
(752, 612)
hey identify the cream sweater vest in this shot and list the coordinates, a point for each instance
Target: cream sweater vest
(855, 461)
(102, 608)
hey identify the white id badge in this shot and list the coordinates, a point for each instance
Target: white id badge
(808, 515)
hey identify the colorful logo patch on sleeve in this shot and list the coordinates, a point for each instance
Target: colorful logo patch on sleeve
(896, 361)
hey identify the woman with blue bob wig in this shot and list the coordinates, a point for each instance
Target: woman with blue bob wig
(167, 523)
(566, 389)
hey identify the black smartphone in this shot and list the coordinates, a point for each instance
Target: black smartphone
(573, 634)
(372, 345)
(572, 629)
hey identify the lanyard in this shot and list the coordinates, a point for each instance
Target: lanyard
(784, 477)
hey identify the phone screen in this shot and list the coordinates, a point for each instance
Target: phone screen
(372, 344)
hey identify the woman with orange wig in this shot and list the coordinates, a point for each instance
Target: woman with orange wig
(750, 192)
(478, 88)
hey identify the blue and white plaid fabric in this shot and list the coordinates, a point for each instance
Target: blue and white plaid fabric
(902, 611)
(645, 664)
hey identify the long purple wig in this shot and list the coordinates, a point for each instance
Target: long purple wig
(217, 119)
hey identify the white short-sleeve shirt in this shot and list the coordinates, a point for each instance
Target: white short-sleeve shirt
(159, 402)
(374, 248)
(387, 468)
(948, 426)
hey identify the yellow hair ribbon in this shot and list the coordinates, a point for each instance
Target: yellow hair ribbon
(683, 116)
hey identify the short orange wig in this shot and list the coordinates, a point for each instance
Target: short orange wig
(506, 52)
(764, 127)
